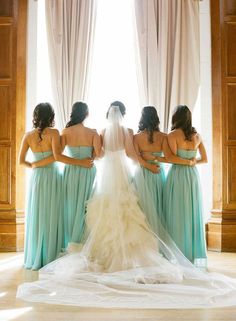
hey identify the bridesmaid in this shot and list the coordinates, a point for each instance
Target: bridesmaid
(79, 142)
(149, 143)
(44, 217)
(182, 194)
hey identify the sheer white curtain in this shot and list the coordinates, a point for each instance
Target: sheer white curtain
(70, 27)
(168, 54)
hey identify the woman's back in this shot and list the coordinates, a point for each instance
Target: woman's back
(78, 135)
(142, 139)
(43, 144)
(181, 142)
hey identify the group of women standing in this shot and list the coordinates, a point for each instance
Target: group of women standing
(56, 206)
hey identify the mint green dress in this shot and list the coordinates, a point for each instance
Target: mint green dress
(153, 189)
(77, 188)
(183, 209)
(44, 215)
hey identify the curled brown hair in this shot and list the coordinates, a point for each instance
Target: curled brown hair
(78, 114)
(182, 118)
(43, 117)
(149, 121)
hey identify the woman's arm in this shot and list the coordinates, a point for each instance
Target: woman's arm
(129, 146)
(203, 154)
(170, 151)
(151, 167)
(97, 146)
(23, 152)
(102, 152)
(43, 162)
(57, 152)
(63, 140)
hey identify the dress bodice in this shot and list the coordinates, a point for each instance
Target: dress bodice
(79, 152)
(187, 153)
(160, 154)
(41, 155)
(37, 156)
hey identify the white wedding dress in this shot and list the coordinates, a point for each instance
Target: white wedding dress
(122, 263)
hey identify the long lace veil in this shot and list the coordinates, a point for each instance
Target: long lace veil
(117, 141)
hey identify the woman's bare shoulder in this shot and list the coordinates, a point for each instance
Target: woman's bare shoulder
(173, 133)
(161, 134)
(91, 131)
(27, 136)
(30, 133)
(52, 132)
(65, 130)
(131, 132)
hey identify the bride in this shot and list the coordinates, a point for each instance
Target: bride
(122, 263)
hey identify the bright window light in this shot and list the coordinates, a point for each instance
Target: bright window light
(44, 87)
(13, 314)
(113, 75)
(12, 262)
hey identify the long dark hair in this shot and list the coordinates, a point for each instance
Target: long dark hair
(118, 104)
(78, 114)
(150, 121)
(182, 118)
(43, 116)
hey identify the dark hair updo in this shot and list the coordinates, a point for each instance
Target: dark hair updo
(149, 121)
(43, 116)
(78, 114)
(118, 104)
(182, 118)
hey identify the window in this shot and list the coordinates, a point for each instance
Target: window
(113, 75)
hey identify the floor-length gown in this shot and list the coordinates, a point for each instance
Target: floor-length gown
(155, 183)
(183, 209)
(44, 221)
(77, 187)
(123, 264)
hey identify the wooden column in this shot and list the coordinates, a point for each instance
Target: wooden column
(13, 16)
(222, 225)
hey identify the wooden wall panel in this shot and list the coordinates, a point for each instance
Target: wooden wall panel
(231, 177)
(13, 17)
(6, 8)
(230, 37)
(5, 50)
(231, 111)
(229, 7)
(221, 233)
(5, 175)
(5, 111)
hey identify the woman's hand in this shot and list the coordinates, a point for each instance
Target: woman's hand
(28, 164)
(148, 156)
(86, 162)
(155, 169)
(192, 162)
(34, 165)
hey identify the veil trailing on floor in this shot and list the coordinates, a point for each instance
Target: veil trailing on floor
(122, 263)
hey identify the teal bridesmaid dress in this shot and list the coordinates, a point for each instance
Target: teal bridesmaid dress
(44, 215)
(78, 183)
(153, 189)
(183, 209)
